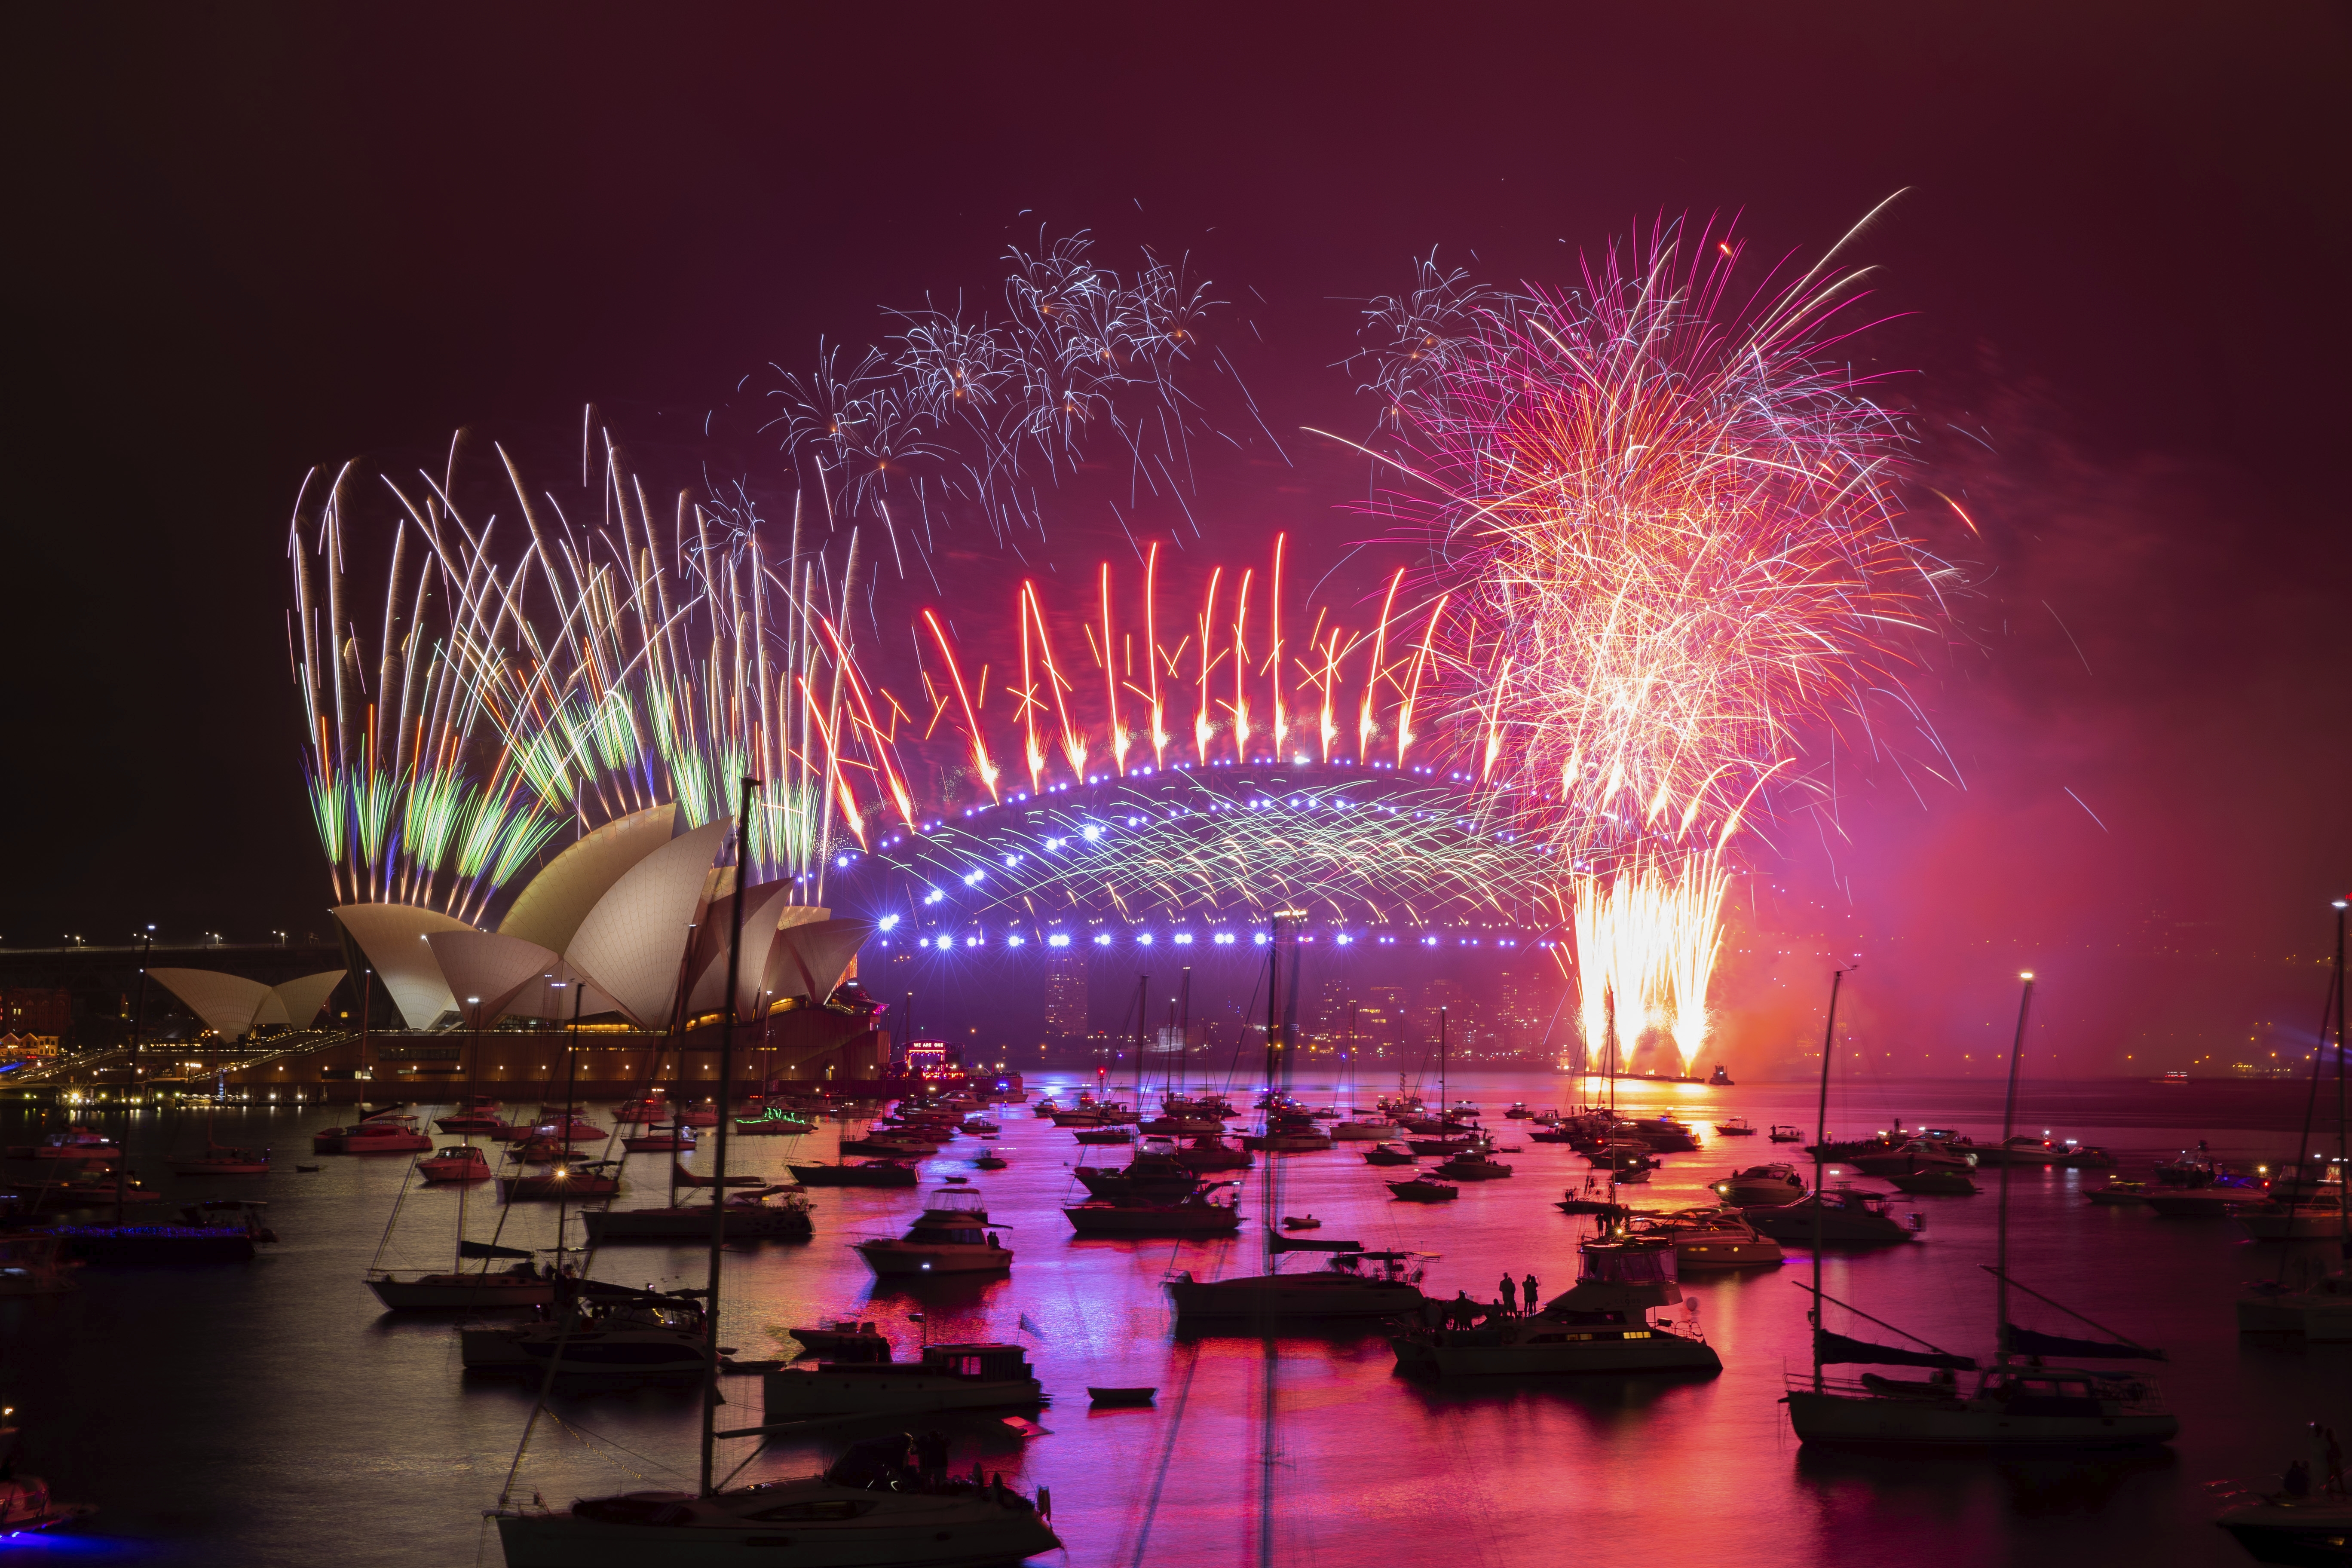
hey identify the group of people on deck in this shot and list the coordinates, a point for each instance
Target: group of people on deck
(1513, 1300)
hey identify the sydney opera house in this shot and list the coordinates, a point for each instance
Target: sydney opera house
(621, 943)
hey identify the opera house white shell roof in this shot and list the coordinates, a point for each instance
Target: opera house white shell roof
(615, 924)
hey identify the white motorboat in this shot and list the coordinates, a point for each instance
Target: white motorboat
(1709, 1240)
(1355, 1285)
(949, 1236)
(948, 1377)
(1362, 1130)
(1761, 1187)
(1603, 1323)
(1842, 1215)
(460, 1290)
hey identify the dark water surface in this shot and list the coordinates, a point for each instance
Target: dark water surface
(270, 1413)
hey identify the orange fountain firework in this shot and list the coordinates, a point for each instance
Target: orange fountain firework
(1668, 522)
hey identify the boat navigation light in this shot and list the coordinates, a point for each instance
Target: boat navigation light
(2025, 975)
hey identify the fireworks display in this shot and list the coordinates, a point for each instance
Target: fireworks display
(1663, 557)
(1665, 519)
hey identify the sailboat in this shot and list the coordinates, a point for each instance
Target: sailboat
(456, 1287)
(2305, 1298)
(859, 1513)
(2018, 1403)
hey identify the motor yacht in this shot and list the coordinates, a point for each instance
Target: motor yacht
(1363, 1130)
(842, 1519)
(1195, 1213)
(1917, 1157)
(1603, 1323)
(1761, 1187)
(660, 1141)
(645, 1335)
(891, 1145)
(1844, 1213)
(575, 1181)
(1709, 1240)
(1355, 1285)
(1109, 1135)
(1180, 1126)
(775, 1122)
(73, 1143)
(770, 1213)
(385, 1133)
(856, 1173)
(1934, 1184)
(1288, 1132)
(562, 1128)
(1213, 1153)
(1473, 1165)
(1785, 1134)
(461, 1289)
(219, 1161)
(1422, 1190)
(1153, 1176)
(844, 1340)
(948, 1377)
(1737, 1127)
(1664, 1135)
(2215, 1202)
(1388, 1155)
(2276, 1528)
(949, 1236)
(459, 1163)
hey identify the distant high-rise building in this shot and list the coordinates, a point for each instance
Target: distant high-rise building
(1065, 996)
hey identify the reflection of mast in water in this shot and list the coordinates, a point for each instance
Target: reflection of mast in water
(1281, 1026)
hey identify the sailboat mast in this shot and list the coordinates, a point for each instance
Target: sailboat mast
(1142, 1000)
(2343, 1170)
(2007, 1127)
(1183, 1025)
(1821, 1150)
(727, 1008)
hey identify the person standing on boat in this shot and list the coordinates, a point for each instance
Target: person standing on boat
(1510, 1295)
(1527, 1294)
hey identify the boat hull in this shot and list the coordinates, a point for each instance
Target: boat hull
(1838, 1418)
(1420, 1356)
(1179, 1220)
(692, 1222)
(466, 1294)
(809, 1392)
(565, 1541)
(1303, 1299)
(895, 1259)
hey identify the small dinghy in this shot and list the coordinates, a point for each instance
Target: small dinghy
(1301, 1222)
(1116, 1397)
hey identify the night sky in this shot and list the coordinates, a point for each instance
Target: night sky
(250, 240)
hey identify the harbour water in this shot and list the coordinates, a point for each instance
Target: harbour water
(270, 1414)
